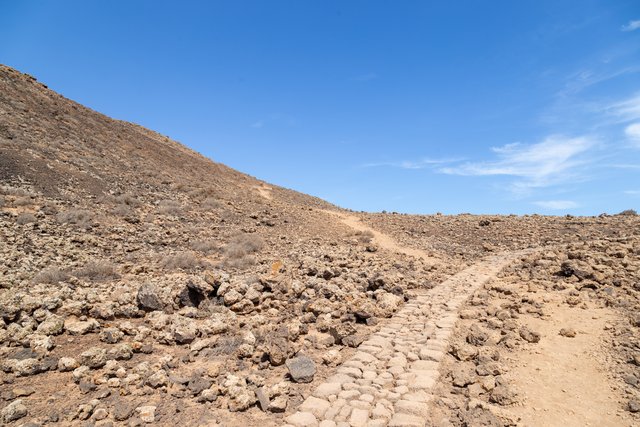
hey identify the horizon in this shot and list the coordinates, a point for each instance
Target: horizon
(419, 109)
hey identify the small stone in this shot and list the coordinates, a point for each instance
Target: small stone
(13, 411)
(279, 404)
(147, 413)
(94, 357)
(263, 399)
(327, 389)
(301, 368)
(316, 406)
(75, 327)
(53, 325)
(529, 335)
(66, 364)
(633, 406)
(568, 332)
(148, 298)
(302, 419)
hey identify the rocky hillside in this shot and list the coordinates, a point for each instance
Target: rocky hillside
(142, 283)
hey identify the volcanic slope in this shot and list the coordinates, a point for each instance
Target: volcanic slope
(142, 283)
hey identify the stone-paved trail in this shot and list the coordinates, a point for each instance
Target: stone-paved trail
(388, 380)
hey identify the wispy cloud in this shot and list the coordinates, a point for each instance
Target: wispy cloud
(631, 26)
(625, 111)
(556, 204)
(414, 164)
(585, 78)
(555, 160)
(633, 133)
(257, 124)
(632, 192)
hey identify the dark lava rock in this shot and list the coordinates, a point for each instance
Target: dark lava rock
(301, 368)
(148, 298)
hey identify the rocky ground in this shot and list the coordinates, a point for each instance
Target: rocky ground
(141, 283)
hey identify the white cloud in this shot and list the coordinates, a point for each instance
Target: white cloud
(631, 26)
(413, 164)
(258, 124)
(556, 204)
(632, 192)
(627, 110)
(553, 161)
(633, 133)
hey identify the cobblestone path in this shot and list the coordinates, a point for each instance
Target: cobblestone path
(388, 380)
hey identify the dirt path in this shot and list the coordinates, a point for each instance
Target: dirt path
(388, 380)
(383, 240)
(264, 191)
(563, 380)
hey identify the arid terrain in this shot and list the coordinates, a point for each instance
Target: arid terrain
(144, 284)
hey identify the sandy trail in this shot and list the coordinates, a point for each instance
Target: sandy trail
(383, 240)
(264, 191)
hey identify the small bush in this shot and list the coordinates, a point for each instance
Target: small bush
(1, 202)
(238, 252)
(364, 236)
(204, 246)
(628, 212)
(51, 275)
(182, 260)
(169, 207)
(127, 199)
(243, 244)
(14, 191)
(75, 216)
(23, 201)
(26, 218)
(97, 270)
(122, 210)
(210, 203)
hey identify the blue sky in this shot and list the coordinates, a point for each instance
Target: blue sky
(420, 107)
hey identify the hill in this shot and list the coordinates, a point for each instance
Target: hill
(142, 283)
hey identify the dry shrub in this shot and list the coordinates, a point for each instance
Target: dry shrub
(210, 203)
(364, 236)
(1, 202)
(204, 246)
(243, 244)
(182, 260)
(97, 270)
(238, 252)
(122, 210)
(200, 193)
(23, 201)
(15, 191)
(127, 199)
(26, 218)
(51, 275)
(169, 207)
(75, 216)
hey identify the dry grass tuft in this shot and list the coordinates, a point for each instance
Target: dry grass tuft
(97, 270)
(238, 252)
(26, 218)
(182, 261)
(169, 207)
(210, 204)
(205, 246)
(51, 275)
(79, 217)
